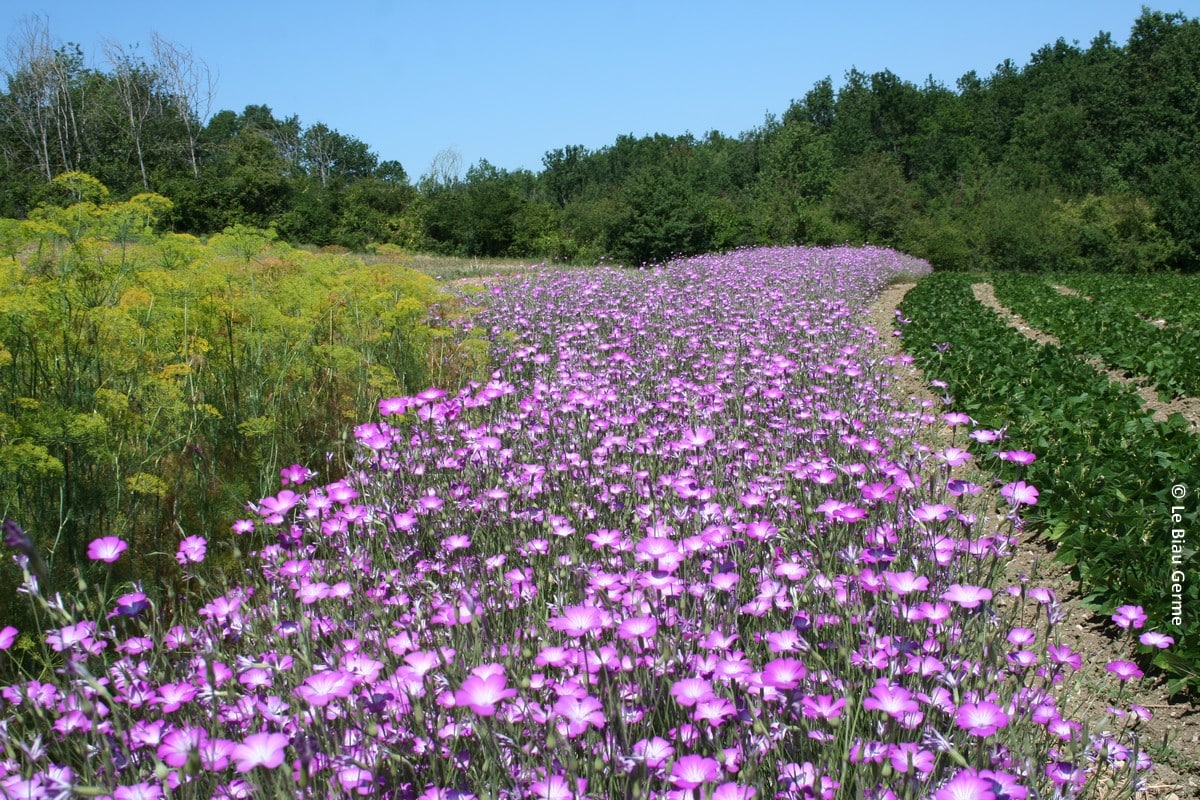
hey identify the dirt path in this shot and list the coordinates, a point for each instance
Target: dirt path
(1176, 771)
(1189, 407)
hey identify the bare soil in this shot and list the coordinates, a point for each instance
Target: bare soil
(1172, 735)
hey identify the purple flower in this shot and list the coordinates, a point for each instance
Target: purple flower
(138, 791)
(637, 628)
(484, 689)
(130, 605)
(967, 596)
(16, 538)
(981, 719)
(654, 752)
(1017, 457)
(322, 688)
(1129, 617)
(783, 673)
(260, 750)
(891, 699)
(966, 785)
(552, 787)
(1020, 493)
(823, 706)
(107, 549)
(579, 714)
(693, 770)
(578, 621)
(733, 791)
(1124, 670)
(903, 583)
(191, 550)
(1149, 638)
(1061, 654)
(8, 634)
(689, 691)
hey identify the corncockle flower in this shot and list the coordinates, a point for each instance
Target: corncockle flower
(260, 750)
(893, 700)
(690, 771)
(130, 605)
(107, 549)
(903, 583)
(191, 550)
(1021, 636)
(322, 688)
(1017, 457)
(713, 710)
(484, 689)
(65, 638)
(295, 474)
(966, 785)
(1129, 617)
(1064, 773)
(1020, 493)
(959, 488)
(1149, 638)
(138, 791)
(823, 706)
(1061, 654)
(967, 596)
(784, 641)
(689, 691)
(954, 456)
(761, 531)
(1124, 670)
(984, 436)
(72, 721)
(1022, 659)
(718, 640)
(783, 673)
(356, 780)
(637, 628)
(880, 492)
(696, 438)
(1065, 729)
(178, 744)
(580, 620)
(8, 634)
(653, 752)
(931, 512)
(733, 791)
(172, 696)
(579, 714)
(552, 787)
(981, 719)
(935, 613)
(911, 757)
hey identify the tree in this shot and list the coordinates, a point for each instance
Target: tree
(134, 83)
(189, 88)
(40, 104)
(658, 218)
(327, 155)
(874, 197)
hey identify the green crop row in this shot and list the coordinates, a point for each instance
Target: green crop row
(1105, 469)
(1166, 296)
(1109, 331)
(151, 384)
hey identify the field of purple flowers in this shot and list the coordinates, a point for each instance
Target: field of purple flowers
(684, 543)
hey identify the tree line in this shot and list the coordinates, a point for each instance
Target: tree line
(1082, 158)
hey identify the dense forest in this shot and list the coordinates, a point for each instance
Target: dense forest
(1082, 158)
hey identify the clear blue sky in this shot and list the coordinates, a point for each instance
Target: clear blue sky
(507, 81)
